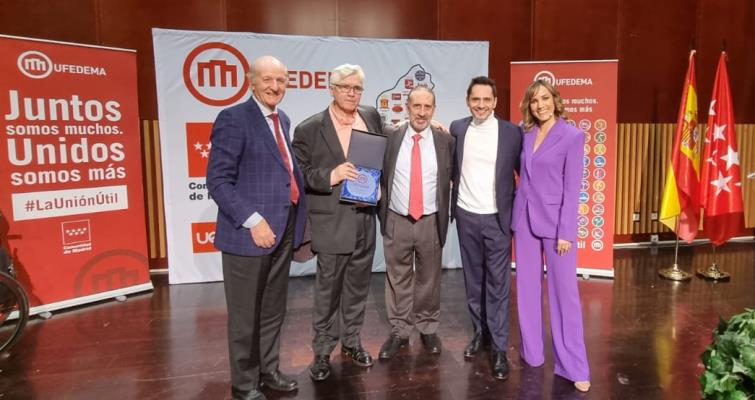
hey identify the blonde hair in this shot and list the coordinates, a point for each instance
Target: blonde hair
(528, 119)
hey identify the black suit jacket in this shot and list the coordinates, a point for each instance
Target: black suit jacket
(507, 162)
(318, 151)
(444, 152)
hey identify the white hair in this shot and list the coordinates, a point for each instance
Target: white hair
(344, 71)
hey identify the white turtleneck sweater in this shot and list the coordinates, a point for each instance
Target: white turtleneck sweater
(477, 180)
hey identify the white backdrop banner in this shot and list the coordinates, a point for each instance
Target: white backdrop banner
(200, 73)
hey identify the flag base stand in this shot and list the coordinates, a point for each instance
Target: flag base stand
(674, 273)
(713, 273)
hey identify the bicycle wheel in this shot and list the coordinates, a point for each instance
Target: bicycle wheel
(14, 311)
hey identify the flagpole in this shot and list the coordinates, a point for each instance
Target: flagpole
(674, 273)
(712, 272)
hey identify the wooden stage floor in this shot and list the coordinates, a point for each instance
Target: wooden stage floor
(644, 338)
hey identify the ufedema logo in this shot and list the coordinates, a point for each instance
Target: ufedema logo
(215, 74)
(34, 64)
(37, 65)
(545, 76)
(550, 77)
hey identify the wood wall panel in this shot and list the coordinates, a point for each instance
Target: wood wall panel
(292, 17)
(153, 193)
(416, 19)
(70, 20)
(574, 30)
(653, 48)
(746, 147)
(733, 26)
(506, 25)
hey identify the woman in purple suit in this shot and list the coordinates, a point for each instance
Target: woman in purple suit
(545, 223)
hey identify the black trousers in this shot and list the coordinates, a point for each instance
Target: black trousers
(341, 287)
(486, 257)
(255, 294)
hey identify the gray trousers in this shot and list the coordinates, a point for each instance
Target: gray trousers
(255, 295)
(413, 266)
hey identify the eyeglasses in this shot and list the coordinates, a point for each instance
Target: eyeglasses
(349, 89)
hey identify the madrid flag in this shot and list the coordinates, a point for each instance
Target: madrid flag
(721, 187)
(680, 195)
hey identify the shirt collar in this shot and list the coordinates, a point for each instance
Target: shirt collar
(411, 132)
(266, 111)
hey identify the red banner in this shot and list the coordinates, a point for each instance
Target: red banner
(588, 90)
(70, 170)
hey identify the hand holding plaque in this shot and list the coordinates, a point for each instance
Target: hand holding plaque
(366, 152)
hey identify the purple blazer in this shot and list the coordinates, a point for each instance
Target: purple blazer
(549, 182)
(246, 174)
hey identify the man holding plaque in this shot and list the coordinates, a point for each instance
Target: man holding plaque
(487, 154)
(343, 233)
(414, 220)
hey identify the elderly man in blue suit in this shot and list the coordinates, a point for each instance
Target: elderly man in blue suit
(259, 190)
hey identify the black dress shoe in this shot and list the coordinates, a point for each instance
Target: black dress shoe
(277, 381)
(474, 345)
(253, 394)
(392, 346)
(320, 368)
(358, 354)
(500, 364)
(431, 343)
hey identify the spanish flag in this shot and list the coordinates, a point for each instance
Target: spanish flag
(681, 202)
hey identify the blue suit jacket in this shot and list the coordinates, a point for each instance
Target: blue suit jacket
(246, 174)
(507, 162)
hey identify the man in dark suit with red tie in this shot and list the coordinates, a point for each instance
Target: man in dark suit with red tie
(259, 190)
(413, 214)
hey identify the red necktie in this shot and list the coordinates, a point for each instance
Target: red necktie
(416, 203)
(282, 148)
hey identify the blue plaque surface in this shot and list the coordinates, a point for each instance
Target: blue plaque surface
(364, 189)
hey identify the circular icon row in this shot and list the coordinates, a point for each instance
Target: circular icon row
(599, 161)
(600, 137)
(599, 125)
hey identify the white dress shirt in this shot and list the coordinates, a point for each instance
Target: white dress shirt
(400, 191)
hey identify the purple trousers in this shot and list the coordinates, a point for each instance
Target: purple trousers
(565, 309)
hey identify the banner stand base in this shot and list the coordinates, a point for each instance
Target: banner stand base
(112, 294)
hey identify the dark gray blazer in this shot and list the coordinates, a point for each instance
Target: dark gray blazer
(507, 162)
(444, 151)
(318, 151)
